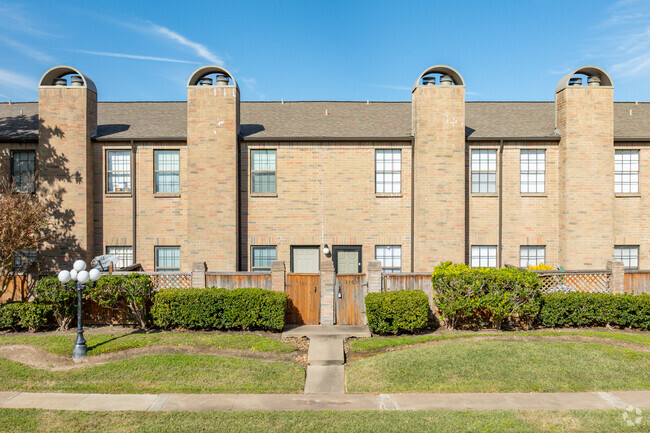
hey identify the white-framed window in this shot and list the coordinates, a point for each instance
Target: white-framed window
(168, 259)
(628, 254)
(124, 255)
(390, 257)
(388, 170)
(263, 165)
(167, 167)
(118, 171)
(484, 256)
(24, 258)
(23, 170)
(533, 170)
(531, 255)
(626, 172)
(484, 171)
(263, 256)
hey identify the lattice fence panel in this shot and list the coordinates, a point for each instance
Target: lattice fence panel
(171, 281)
(575, 282)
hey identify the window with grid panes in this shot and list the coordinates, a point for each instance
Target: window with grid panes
(628, 254)
(118, 171)
(388, 170)
(124, 255)
(262, 258)
(484, 256)
(263, 171)
(167, 171)
(23, 170)
(24, 258)
(531, 255)
(533, 170)
(484, 171)
(390, 257)
(626, 171)
(168, 259)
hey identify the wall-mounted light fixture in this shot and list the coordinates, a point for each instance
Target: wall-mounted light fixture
(326, 250)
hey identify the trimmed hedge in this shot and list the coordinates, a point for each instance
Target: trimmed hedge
(130, 293)
(473, 296)
(215, 308)
(24, 315)
(595, 309)
(405, 310)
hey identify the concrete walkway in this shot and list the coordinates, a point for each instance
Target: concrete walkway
(293, 402)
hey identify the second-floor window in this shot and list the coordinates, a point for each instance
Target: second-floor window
(484, 171)
(118, 171)
(388, 170)
(23, 170)
(167, 166)
(533, 170)
(626, 172)
(263, 171)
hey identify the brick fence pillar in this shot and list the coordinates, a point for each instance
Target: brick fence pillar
(278, 275)
(198, 275)
(374, 276)
(618, 276)
(327, 283)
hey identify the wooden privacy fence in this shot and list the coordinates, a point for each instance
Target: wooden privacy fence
(392, 282)
(576, 281)
(637, 282)
(236, 280)
(19, 289)
(350, 291)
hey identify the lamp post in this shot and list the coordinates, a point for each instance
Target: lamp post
(80, 277)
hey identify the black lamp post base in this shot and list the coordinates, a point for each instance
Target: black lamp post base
(79, 352)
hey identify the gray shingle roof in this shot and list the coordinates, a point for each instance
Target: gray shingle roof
(305, 120)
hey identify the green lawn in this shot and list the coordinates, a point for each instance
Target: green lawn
(106, 343)
(29, 420)
(378, 343)
(502, 366)
(160, 374)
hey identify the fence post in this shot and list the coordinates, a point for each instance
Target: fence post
(618, 276)
(198, 275)
(374, 276)
(278, 275)
(327, 283)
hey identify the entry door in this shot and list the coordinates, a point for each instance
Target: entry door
(305, 260)
(347, 260)
(303, 299)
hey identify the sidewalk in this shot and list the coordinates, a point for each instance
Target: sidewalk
(338, 402)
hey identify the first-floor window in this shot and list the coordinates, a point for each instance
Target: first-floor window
(531, 255)
(484, 256)
(390, 257)
(628, 254)
(263, 257)
(124, 256)
(168, 259)
(24, 258)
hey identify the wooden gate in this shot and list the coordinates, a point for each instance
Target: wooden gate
(303, 299)
(350, 299)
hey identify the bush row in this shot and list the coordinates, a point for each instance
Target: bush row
(406, 310)
(24, 315)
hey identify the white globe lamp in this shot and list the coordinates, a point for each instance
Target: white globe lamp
(73, 275)
(83, 277)
(64, 276)
(79, 265)
(94, 275)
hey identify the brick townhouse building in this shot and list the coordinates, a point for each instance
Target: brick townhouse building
(237, 185)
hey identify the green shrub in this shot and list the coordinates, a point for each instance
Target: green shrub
(9, 315)
(129, 293)
(62, 299)
(472, 295)
(24, 315)
(595, 309)
(405, 310)
(215, 308)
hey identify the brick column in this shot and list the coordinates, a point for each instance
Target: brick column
(374, 276)
(327, 283)
(278, 275)
(618, 276)
(198, 275)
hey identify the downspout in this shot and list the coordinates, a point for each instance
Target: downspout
(134, 203)
(413, 205)
(500, 263)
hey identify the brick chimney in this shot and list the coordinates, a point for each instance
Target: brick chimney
(212, 155)
(438, 116)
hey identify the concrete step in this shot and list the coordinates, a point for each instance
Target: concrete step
(325, 351)
(325, 379)
(333, 331)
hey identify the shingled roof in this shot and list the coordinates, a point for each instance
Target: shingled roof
(322, 120)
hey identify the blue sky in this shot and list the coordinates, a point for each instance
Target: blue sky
(312, 50)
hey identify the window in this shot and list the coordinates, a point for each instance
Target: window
(168, 259)
(533, 170)
(167, 171)
(626, 172)
(628, 254)
(390, 257)
(531, 256)
(124, 255)
(262, 258)
(23, 171)
(263, 171)
(388, 170)
(484, 171)
(484, 256)
(24, 258)
(118, 171)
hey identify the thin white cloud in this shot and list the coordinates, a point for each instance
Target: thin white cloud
(12, 79)
(16, 19)
(199, 49)
(27, 50)
(134, 56)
